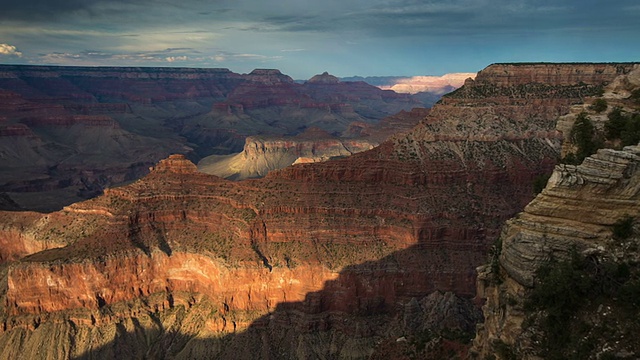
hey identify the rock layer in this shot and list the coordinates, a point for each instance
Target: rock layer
(578, 211)
(263, 154)
(69, 132)
(327, 254)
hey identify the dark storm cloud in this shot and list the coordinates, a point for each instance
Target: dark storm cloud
(390, 18)
(402, 18)
(298, 33)
(37, 9)
(47, 10)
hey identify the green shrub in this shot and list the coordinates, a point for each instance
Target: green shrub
(623, 228)
(631, 133)
(565, 288)
(623, 127)
(630, 294)
(635, 95)
(615, 125)
(503, 350)
(570, 159)
(599, 105)
(494, 260)
(540, 182)
(583, 135)
(561, 289)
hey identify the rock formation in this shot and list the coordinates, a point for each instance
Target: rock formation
(325, 78)
(577, 210)
(317, 260)
(432, 84)
(263, 154)
(578, 215)
(70, 132)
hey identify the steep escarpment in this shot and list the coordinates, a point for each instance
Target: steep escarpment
(563, 278)
(523, 74)
(576, 215)
(319, 260)
(263, 154)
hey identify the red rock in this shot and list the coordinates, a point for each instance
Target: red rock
(149, 113)
(320, 247)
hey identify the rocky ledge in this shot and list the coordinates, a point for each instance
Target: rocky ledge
(578, 211)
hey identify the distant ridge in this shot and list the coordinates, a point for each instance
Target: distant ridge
(438, 85)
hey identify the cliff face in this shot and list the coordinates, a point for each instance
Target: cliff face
(264, 154)
(552, 74)
(137, 116)
(315, 260)
(578, 210)
(570, 234)
(433, 84)
(261, 155)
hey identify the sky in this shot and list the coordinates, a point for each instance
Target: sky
(304, 37)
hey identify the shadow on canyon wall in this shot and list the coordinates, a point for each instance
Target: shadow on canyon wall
(406, 295)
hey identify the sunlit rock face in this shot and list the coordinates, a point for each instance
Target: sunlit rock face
(330, 259)
(433, 84)
(262, 154)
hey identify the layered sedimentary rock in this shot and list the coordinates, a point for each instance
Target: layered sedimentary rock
(433, 84)
(94, 127)
(261, 155)
(525, 74)
(319, 260)
(577, 210)
(264, 154)
(575, 215)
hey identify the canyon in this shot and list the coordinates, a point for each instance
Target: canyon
(576, 220)
(67, 133)
(369, 256)
(264, 154)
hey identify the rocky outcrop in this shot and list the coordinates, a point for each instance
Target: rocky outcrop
(264, 154)
(526, 74)
(269, 77)
(176, 163)
(577, 210)
(15, 243)
(261, 155)
(575, 216)
(324, 78)
(315, 260)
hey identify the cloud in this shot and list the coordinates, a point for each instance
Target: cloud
(184, 56)
(306, 15)
(225, 56)
(379, 18)
(176, 58)
(96, 57)
(352, 36)
(9, 50)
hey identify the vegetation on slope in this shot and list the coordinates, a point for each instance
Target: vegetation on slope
(621, 129)
(584, 303)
